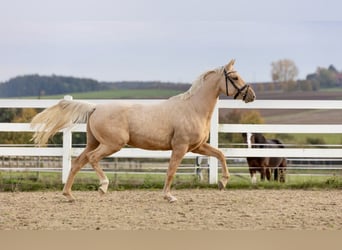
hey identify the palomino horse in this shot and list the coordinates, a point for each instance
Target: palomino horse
(266, 165)
(180, 124)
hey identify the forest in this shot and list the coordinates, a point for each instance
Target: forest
(37, 86)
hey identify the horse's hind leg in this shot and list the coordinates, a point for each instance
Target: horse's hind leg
(95, 156)
(77, 164)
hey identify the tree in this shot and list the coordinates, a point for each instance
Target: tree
(251, 117)
(284, 71)
(327, 77)
(17, 116)
(242, 117)
(305, 85)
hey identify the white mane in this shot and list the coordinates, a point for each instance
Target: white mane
(197, 84)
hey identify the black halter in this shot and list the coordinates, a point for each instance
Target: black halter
(239, 90)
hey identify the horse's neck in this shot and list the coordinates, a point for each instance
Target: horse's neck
(205, 99)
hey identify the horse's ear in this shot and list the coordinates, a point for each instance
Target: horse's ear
(230, 65)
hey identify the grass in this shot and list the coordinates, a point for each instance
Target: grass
(31, 181)
(320, 138)
(120, 94)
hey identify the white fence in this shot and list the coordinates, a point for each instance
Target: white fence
(67, 151)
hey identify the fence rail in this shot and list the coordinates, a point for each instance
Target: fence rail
(67, 151)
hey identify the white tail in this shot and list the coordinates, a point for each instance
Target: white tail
(60, 116)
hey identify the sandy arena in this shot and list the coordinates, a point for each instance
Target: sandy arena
(194, 210)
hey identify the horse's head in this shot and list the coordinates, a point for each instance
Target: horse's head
(258, 138)
(232, 84)
(255, 139)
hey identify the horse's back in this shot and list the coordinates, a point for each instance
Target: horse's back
(276, 143)
(276, 161)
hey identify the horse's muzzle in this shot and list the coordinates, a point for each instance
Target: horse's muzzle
(249, 95)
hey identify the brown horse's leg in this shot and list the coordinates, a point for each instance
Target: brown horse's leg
(253, 167)
(282, 170)
(177, 155)
(276, 173)
(95, 156)
(207, 149)
(262, 173)
(265, 170)
(268, 173)
(253, 175)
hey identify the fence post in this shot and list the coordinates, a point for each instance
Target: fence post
(67, 145)
(213, 168)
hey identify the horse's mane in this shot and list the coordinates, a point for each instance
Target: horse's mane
(197, 84)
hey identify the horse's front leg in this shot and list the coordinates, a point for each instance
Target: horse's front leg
(253, 176)
(177, 155)
(268, 173)
(207, 149)
(262, 173)
(282, 169)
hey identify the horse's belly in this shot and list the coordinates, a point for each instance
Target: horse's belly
(275, 162)
(150, 144)
(149, 128)
(150, 139)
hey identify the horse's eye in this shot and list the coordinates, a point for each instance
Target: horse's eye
(235, 78)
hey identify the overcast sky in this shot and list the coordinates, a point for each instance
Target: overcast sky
(112, 40)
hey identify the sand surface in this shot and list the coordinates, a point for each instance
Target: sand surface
(194, 210)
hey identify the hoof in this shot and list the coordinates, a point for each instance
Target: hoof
(102, 190)
(222, 183)
(104, 186)
(170, 198)
(70, 197)
(221, 186)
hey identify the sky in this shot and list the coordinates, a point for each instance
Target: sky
(123, 40)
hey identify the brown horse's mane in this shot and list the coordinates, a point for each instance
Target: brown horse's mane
(197, 84)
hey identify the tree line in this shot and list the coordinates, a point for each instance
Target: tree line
(36, 85)
(284, 78)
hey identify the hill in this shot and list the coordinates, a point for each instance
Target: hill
(36, 85)
(39, 86)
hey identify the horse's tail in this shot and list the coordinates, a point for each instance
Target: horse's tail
(60, 116)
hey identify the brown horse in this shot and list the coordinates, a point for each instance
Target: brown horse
(266, 165)
(180, 124)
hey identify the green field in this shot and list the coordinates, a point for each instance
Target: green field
(303, 140)
(120, 94)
